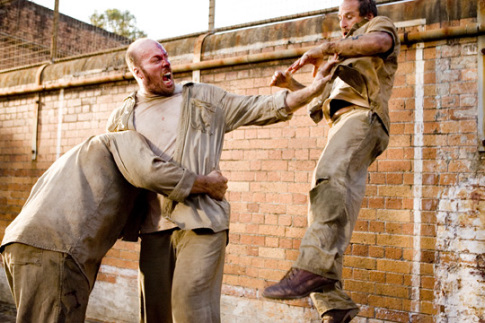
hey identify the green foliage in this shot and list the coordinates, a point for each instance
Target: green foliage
(119, 22)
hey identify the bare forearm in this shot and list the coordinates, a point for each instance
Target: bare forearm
(360, 45)
(294, 85)
(301, 97)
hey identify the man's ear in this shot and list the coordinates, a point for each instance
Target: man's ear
(137, 73)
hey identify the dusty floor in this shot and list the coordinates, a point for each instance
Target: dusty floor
(8, 313)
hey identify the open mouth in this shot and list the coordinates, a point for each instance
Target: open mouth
(167, 78)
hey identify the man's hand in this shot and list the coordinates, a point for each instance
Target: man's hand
(314, 56)
(286, 81)
(297, 99)
(322, 75)
(214, 185)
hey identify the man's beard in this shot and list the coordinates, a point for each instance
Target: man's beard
(152, 85)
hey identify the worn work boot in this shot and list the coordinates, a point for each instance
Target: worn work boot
(339, 316)
(297, 283)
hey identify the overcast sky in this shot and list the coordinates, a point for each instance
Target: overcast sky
(161, 19)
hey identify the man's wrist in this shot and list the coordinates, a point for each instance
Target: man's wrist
(200, 185)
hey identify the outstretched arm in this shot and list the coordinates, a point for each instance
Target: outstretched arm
(361, 45)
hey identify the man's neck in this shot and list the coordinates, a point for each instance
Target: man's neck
(147, 94)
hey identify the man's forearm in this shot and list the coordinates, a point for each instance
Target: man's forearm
(294, 85)
(360, 45)
(301, 97)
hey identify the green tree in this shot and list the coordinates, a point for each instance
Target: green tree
(119, 22)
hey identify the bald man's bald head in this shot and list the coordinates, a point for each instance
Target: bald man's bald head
(148, 62)
(132, 56)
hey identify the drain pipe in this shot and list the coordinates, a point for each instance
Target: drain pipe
(442, 33)
(231, 61)
(35, 134)
(68, 84)
(198, 56)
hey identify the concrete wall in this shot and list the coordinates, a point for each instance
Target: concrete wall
(417, 253)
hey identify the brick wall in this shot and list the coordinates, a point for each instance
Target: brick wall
(417, 253)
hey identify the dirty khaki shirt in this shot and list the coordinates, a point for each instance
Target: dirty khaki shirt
(208, 113)
(81, 204)
(370, 76)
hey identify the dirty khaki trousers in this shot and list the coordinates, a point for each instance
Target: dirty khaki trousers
(47, 286)
(180, 276)
(354, 141)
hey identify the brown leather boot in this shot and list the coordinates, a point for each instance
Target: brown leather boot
(339, 316)
(297, 283)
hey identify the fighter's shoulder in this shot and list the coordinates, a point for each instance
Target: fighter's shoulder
(119, 115)
(381, 22)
